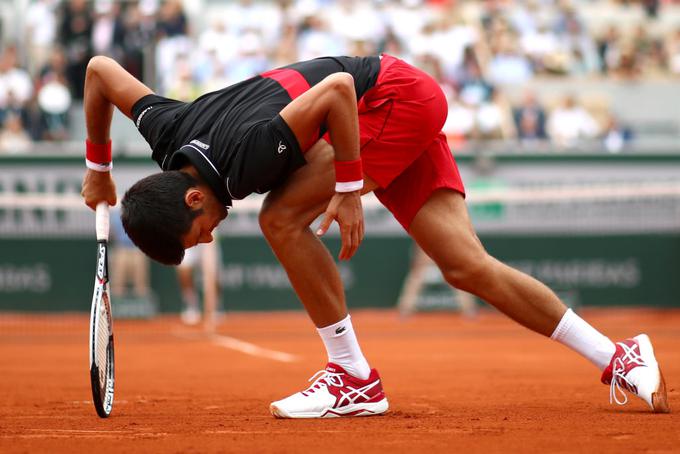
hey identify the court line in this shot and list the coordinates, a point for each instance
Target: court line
(244, 347)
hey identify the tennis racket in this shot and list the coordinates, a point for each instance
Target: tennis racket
(101, 327)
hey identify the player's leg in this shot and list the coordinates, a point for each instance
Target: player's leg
(118, 271)
(191, 313)
(140, 271)
(285, 218)
(443, 220)
(467, 266)
(209, 270)
(285, 221)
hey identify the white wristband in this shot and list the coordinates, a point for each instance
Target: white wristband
(349, 186)
(99, 167)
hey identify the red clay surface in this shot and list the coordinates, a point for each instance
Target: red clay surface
(454, 385)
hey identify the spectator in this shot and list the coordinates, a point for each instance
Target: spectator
(508, 66)
(54, 98)
(492, 121)
(75, 32)
(13, 138)
(673, 52)
(173, 42)
(616, 136)
(315, 40)
(138, 28)
(651, 8)
(355, 20)
(628, 67)
(107, 30)
(251, 58)
(172, 21)
(263, 18)
(217, 46)
(469, 68)
(40, 32)
(286, 52)
(16, 86)
(181, 85)
(129, 265)
(204, 260)
(577, 44)
(570, 123)
(407, 18)
(493, 12)
(460, 121)
(529, 119)
(474, 89)
(542, 47)
(609, 50)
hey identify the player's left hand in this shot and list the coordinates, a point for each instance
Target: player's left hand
(345, 207)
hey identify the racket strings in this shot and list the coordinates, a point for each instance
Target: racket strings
(103, 333)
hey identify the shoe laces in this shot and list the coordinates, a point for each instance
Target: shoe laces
(620, 382)
(324, 378)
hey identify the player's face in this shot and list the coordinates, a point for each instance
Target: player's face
(212, 213)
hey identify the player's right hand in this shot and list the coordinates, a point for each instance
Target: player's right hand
(98, 187)
(346, 209)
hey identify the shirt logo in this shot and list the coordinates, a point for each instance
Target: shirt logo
(139, 119)
(198, 143)
(281, 148)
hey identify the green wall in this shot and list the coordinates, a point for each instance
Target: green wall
(57, 274)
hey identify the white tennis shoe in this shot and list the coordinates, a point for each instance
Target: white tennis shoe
(634, 368)
(334, 393)
(190, 316)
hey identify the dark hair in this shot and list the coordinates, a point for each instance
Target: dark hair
(156, 217)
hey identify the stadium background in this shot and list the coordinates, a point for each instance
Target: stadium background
(545, 96)
(564, 118)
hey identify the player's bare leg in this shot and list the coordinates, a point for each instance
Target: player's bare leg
(443, 220)
(285, 219)
(348, 386)
(209, 267)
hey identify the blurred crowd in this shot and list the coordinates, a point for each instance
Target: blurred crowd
(485, 54)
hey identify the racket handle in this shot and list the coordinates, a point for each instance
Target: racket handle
(102, 221)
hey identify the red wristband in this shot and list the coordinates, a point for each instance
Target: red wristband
(98, 156)
(349, 176)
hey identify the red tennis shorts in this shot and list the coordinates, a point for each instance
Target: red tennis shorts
(402, 146)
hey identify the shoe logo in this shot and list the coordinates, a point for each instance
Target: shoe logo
(281, 148)
(340, 330)
(351, 396)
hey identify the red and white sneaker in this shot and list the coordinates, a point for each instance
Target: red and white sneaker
(634, 368)
(334, 393)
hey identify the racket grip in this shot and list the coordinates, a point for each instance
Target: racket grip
(102, 221)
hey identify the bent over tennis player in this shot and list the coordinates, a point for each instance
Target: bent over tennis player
(273, 133)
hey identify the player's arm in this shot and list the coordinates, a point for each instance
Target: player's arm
(107, 85)
(332, 103)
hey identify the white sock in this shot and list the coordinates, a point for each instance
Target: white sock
(577, 334)
(190, 299)
(343, 348)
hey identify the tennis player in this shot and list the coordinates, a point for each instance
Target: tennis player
(273, 133)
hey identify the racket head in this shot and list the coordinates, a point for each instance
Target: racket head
(101, 332)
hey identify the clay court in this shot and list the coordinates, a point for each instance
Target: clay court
(454, 385)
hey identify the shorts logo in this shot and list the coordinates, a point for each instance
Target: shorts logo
(198, 143)
(139, 119)
(281, 148)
